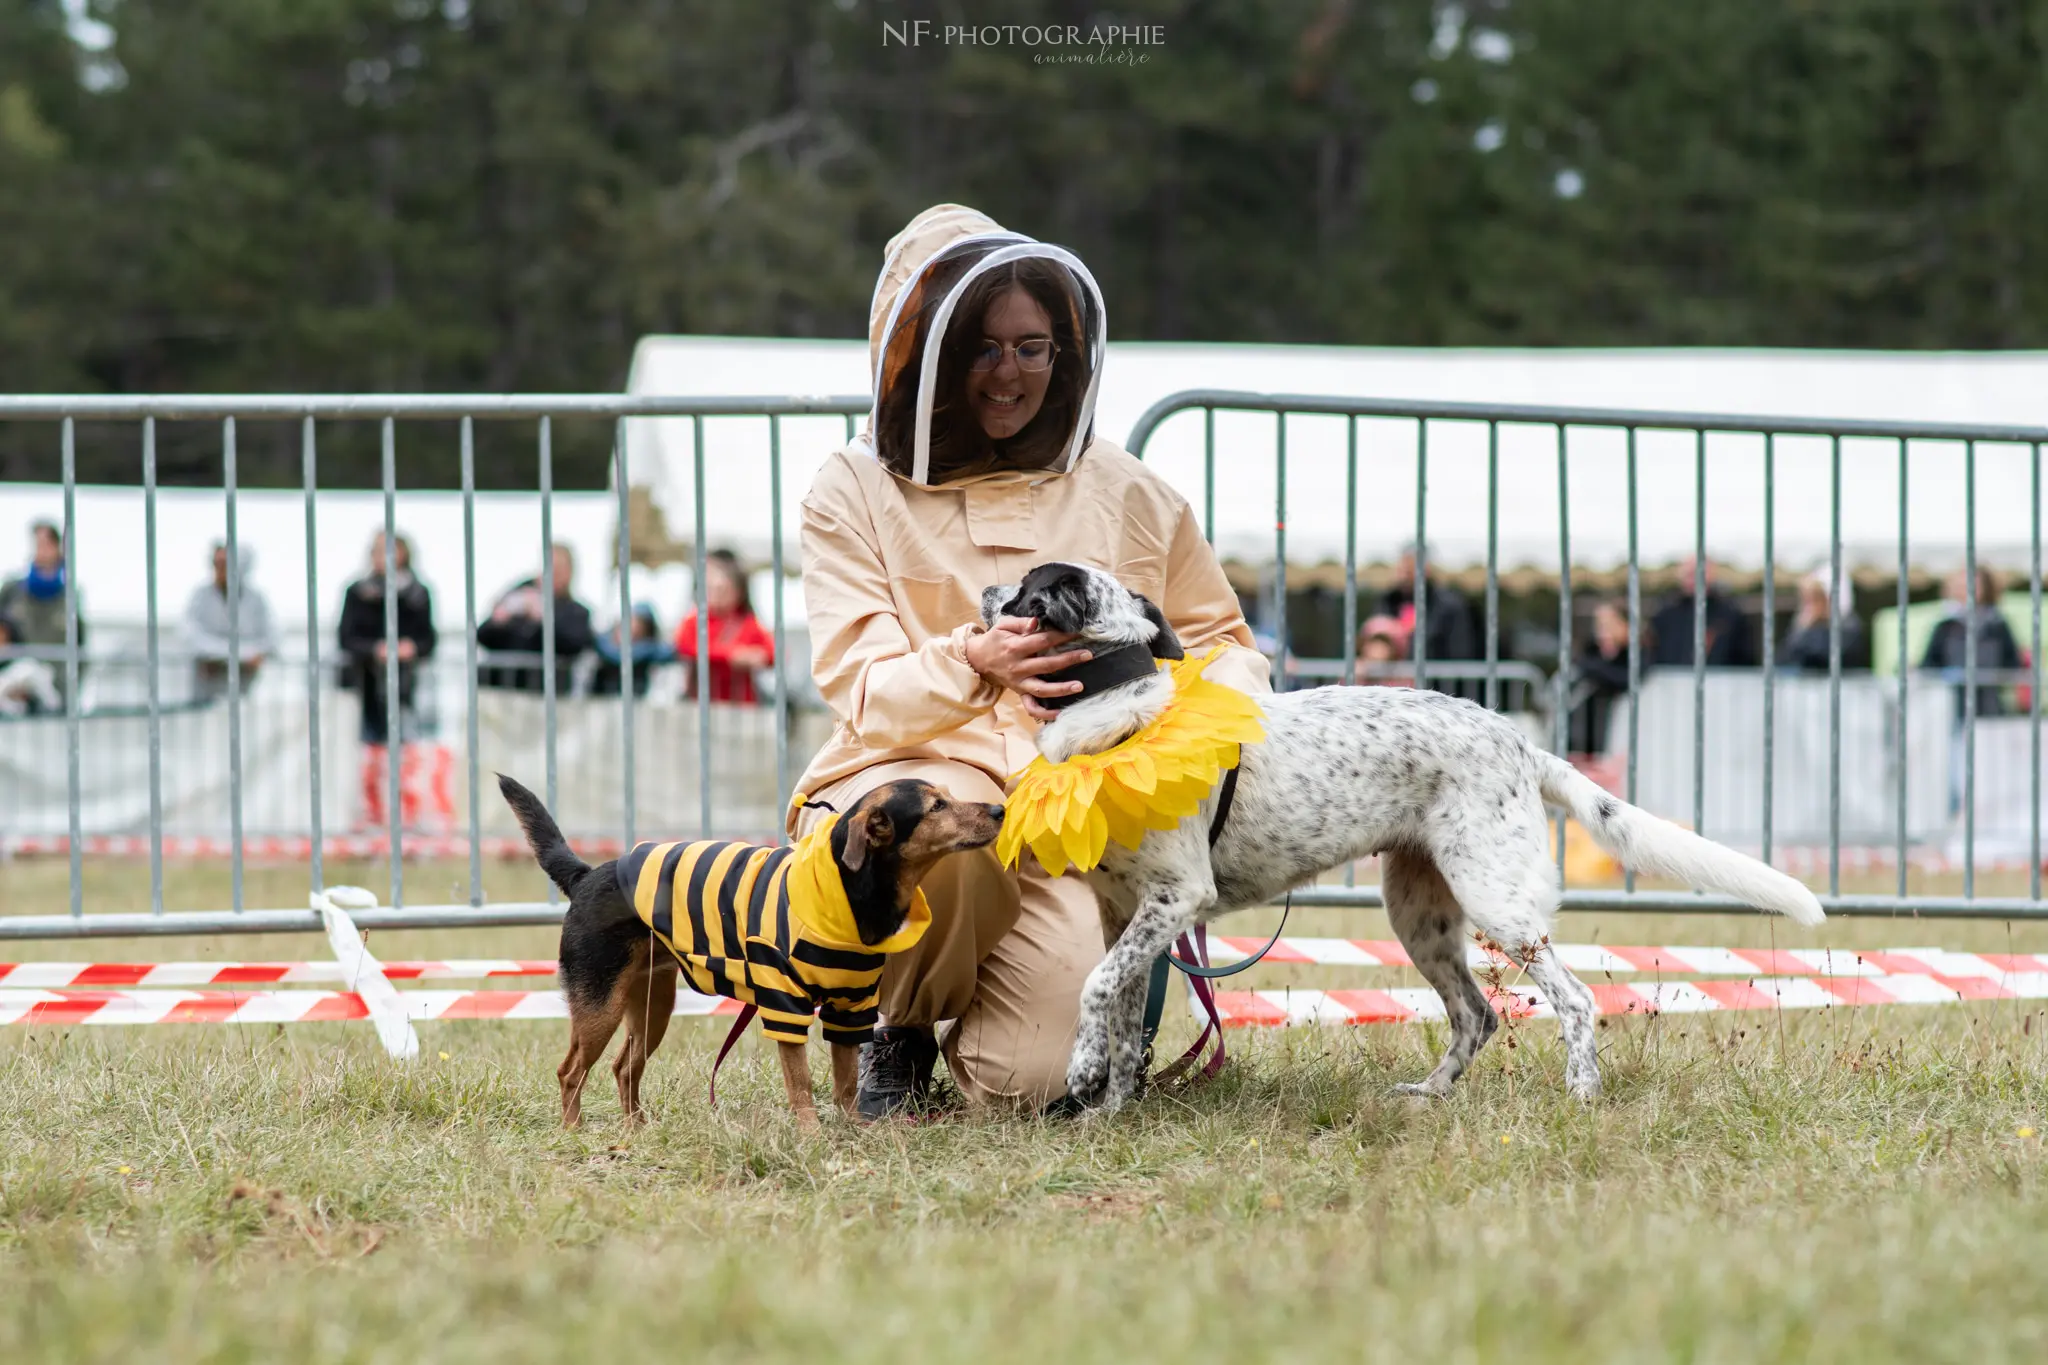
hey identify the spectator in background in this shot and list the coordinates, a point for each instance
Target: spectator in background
(739, 646)
(1382, 644)
(1730, 641)
(35, 600)
(1805, 648)
(206, 628)
(517, 626)
(1948, 649)
(1600, 677)
(1450, 632)
(366, 657)
(649, 649)
(27, 686)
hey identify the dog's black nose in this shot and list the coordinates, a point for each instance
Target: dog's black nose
(995, 813)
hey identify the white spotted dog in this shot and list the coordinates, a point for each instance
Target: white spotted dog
(1448, 793)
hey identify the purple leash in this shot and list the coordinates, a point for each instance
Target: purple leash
(739, 1026)
(1198, 951)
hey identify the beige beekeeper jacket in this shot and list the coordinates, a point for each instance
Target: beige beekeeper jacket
(893, 573)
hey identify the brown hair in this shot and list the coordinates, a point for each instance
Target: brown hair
(959, 445)
(401, 552)
(730, 562)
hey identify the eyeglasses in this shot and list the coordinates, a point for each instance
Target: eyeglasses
(1033, 354)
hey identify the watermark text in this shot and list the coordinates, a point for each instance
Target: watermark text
(1100, 37)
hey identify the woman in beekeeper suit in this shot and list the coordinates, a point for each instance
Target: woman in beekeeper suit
(979, 461)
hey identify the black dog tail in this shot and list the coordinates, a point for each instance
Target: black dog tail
(557, 859)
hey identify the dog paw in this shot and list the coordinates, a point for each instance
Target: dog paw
(1092, 1096)
(1126, 1074)
(1088, 1081)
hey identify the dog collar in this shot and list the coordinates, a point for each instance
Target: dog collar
(1101, 673)
(1068, 812)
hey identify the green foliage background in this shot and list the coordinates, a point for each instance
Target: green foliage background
(504, 194)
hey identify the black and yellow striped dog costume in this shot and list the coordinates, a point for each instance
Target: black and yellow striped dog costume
(786, 931)
(769, 927)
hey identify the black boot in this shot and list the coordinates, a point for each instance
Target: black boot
(896, 1071)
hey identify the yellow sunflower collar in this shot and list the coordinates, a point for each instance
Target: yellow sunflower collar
(1068, 812)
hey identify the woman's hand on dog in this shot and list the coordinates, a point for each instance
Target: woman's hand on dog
(1015, 654)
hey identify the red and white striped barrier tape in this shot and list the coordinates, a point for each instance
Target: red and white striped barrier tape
(1239, 1009)
(57, 975)
(1594, 959)
(292, 1007)
(1587, 959)
(1803, 978)
(1251, 1009)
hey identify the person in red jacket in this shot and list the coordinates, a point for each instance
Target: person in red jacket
(739, 644)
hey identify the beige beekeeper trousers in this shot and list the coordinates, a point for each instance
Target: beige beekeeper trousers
(1004, 959)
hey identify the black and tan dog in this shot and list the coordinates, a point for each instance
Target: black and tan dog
(788, 930)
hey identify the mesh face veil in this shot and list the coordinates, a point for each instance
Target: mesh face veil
(965, 245)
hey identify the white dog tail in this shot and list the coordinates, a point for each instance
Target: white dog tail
(1661, 849)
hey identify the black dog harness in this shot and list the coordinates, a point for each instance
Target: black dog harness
(1226, 792)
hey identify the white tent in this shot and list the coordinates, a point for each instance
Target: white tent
(1945, 387)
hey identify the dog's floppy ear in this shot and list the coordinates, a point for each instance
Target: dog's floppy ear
(992, 599)
(871, 828)
(1165, 645)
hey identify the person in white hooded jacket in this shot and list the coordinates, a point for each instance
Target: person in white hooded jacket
(979, 461)
(207, 628)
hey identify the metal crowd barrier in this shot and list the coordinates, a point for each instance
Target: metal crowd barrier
(1493, 672)
(1511, 684)
(193, 721)
(1561, 420)
(388, 410)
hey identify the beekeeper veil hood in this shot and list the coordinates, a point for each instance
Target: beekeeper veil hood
(921, 427)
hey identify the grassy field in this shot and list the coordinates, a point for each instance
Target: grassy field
(1841, 1185)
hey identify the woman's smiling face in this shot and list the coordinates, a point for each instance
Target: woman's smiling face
(1006, 398)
